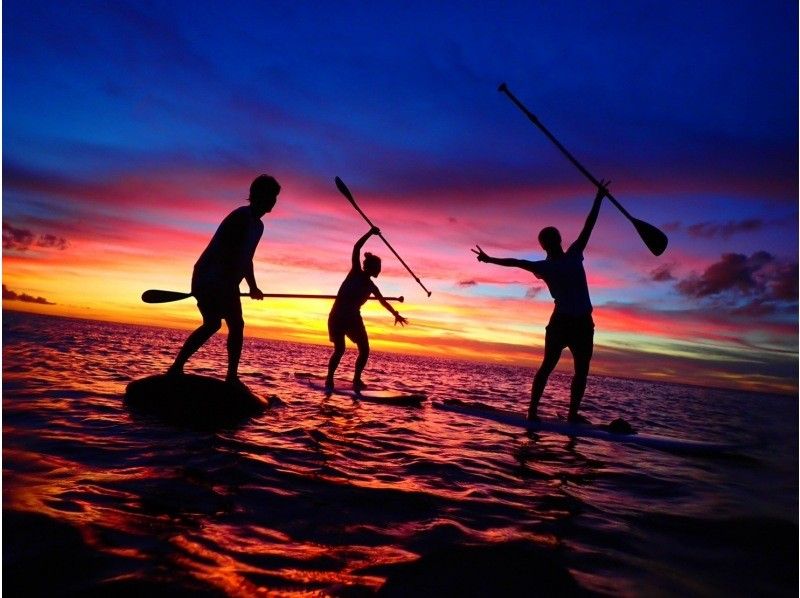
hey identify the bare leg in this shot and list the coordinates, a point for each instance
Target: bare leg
(194, 342)
(235, 341)
(361, 361)
(582, 356)
(336, 357)
(552, 353)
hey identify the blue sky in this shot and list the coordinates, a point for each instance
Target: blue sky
(333, 81)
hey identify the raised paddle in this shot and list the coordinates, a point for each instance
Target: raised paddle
(655, 240)
(346, 192)
(159, 296)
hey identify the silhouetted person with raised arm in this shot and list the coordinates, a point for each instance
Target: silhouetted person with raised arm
(225, 262)
(571, 324)
(345, 317)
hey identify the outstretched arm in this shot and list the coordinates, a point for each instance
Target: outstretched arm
(398, 319)
(583, 239)
(356, 259)
(507, 261)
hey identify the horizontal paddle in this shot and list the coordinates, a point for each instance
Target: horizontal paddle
(655, 240)
(346, 192)
(159, 296)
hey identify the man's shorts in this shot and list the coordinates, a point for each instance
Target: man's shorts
(218, 302)
(351, 326)
(573, 332)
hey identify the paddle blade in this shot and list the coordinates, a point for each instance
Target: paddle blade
(343, 188)
(158, 296)
(655, 240)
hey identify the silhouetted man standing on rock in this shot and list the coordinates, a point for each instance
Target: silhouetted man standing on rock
(571, 324)
(225, 262)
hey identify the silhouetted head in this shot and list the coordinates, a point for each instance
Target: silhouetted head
(550, 239)
(264, 193)
(372, 264)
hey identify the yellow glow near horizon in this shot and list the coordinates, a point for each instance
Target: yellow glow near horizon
(103, 280)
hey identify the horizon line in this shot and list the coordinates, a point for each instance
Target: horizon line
(460, 359)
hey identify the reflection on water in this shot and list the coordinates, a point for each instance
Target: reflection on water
(331, 496)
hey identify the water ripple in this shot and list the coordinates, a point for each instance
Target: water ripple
(333, 497)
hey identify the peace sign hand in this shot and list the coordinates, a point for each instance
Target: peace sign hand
(482, 256)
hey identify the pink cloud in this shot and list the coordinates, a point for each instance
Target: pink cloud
(23, 239)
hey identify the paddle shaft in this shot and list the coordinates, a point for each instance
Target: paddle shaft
(564, 150)
(312, 296)
(346, 192)
(158, 296)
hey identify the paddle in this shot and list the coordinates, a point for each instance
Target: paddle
(655, 240)
(159, 296)
(346, 192)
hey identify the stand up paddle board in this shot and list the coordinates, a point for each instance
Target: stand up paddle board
(194, 400)
(563, 427)
(386, 397)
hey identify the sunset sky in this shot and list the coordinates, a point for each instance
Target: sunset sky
(130, 129)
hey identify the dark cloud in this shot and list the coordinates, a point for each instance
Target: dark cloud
(16, 238)
(10, 295)
(710, 230)
(733, 272)
(22, 239)
(532, 292)
(751, 284)
(784, 282)
(467, 283)
(662, 274)
(49, 240)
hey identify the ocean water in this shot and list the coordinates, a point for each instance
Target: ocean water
(330, 497)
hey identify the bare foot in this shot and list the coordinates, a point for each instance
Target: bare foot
(175, 371)
(235, 382)
(577, 418)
